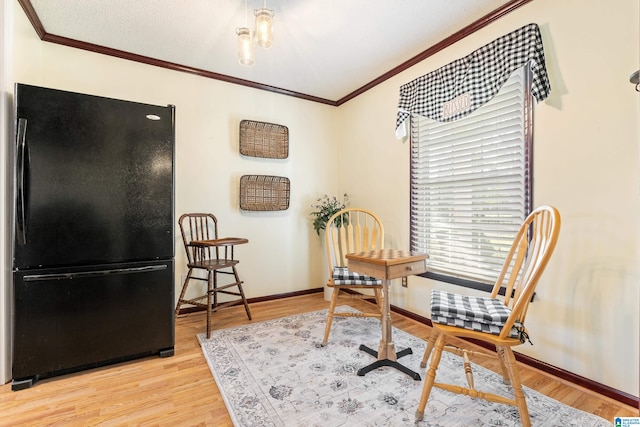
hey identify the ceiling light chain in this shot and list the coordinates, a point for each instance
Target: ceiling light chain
(263, 34)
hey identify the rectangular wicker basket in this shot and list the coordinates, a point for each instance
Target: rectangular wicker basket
(267, 140)
(264, 193)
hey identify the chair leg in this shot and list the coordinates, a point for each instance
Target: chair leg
(430, 376)
(214, 273)
(509, 360)
(183, 292)
(244, 299)
(505, 373)
(430, 343)
(332, 306)
(211, 278)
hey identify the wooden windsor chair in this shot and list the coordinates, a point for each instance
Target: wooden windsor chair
(495, 320)
(352, 230)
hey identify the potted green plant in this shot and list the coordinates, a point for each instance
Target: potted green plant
(325, 208)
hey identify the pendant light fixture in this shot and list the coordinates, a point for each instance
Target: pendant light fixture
(264, 26)
(246, 53)
(263, 34)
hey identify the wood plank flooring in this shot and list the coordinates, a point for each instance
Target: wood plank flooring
(180, 391)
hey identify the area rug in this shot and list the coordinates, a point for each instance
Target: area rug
(276, 373)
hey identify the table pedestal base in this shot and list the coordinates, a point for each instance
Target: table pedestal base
(387, 264)
(387, 362)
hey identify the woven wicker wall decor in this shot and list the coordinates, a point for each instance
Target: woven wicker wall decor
(267, 140)
(264, 193)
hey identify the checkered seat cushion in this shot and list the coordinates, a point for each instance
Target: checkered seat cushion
(342, 276)
(474, 313)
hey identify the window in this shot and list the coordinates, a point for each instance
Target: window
(471, 182)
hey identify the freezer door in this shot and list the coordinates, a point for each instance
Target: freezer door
(94, 179)
(69, 320)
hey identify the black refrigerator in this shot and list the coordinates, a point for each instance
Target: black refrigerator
(93, 242)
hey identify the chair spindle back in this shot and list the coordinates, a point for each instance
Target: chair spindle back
(199, 226)
(352, 230)
(525, 262)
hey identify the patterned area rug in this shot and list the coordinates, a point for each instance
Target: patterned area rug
(275, 373)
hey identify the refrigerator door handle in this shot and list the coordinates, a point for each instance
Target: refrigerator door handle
(94, 273)
(22, 165)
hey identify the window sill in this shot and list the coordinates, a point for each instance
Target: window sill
(465, 283)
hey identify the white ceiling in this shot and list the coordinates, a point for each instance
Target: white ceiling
(327, 49)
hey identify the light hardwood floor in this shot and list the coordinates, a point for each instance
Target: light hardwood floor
(180, 390)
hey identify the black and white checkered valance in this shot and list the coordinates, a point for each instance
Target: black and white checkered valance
(459, 88)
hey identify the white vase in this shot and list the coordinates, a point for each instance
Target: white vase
(328, 292)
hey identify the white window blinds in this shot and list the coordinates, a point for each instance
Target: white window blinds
(470, 183)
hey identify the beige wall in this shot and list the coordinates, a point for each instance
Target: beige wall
(585, 318)
(586, 163)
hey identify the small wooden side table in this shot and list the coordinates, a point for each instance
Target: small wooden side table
(387, 264)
